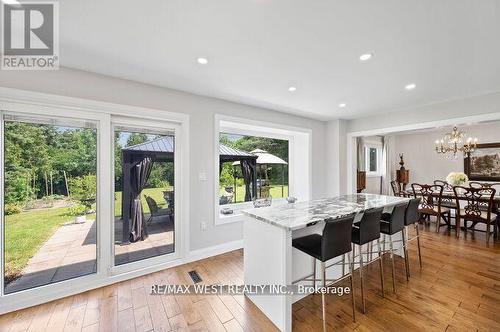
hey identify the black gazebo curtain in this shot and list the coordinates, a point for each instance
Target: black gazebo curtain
(247, 171)
(138, 178)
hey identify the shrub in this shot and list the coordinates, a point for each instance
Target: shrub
(12, 209)
(77, 210)
(83, 189)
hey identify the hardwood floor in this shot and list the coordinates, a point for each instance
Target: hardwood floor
(457, 290)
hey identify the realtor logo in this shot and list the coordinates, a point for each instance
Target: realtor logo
(30, 35)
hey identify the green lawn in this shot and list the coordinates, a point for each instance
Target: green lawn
(275, 191)
(154, 193)
(26, 232)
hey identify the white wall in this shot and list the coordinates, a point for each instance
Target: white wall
(467, 110)
(74, 83)
(425, 164)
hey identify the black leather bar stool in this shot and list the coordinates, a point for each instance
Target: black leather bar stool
(363, 232)
(335, 242)
(412, 216)
(391, 224)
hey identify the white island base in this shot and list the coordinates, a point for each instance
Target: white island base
(269, 258)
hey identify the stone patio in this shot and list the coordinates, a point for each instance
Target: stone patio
(71, 252)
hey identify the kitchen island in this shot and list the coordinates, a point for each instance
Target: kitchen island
(269, 258)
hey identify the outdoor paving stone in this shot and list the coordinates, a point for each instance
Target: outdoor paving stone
(71, 252)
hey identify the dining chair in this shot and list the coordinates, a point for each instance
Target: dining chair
(396, 191)
(447, 202)
(430, 204)
(478, 206)
(496, 205)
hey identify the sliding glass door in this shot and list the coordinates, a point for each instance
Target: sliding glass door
(84, 198)
(144, 194)
(49, 202)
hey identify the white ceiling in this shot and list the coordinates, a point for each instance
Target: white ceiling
(258, 48)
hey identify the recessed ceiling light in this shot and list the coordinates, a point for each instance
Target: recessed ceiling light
(342, 105)
(410, 86)
(202, 61)
(365, 57)
(292, 89)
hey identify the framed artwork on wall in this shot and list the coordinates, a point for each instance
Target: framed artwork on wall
(484, 163)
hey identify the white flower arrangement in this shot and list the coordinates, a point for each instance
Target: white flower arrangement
(457, 178)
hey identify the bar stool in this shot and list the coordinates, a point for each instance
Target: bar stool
(363, 232)
(334, 242)
(412, 216)
(391, 224)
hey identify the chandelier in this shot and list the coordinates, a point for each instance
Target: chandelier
(453, 143)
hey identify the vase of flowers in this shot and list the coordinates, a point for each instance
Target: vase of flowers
(457, 178)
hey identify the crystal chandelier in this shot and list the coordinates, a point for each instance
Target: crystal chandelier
(453, 143)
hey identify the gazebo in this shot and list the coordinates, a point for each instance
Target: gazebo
(264, 159)
(137, 162)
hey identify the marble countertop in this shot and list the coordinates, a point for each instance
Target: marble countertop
(301, 214)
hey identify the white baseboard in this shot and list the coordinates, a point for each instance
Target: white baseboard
(47, 293)
(198, 254)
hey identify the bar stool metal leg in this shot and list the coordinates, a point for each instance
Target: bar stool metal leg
(314, 274)
(363, 303)
(391, 247)
(370, 255)
(343, 265)
(381, 264)
(323, 273)
(351, 272)
(407, 234)
(418, 246)
(405, 254)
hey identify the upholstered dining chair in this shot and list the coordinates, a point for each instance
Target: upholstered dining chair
(496, 206)
(477, 207)
(431, 203)
(395, 188)
(447, 202)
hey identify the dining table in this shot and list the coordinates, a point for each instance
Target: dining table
(449, 194)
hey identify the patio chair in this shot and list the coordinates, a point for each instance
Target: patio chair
(154, 210)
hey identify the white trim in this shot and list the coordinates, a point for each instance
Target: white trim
(351, 137)
(198, 254)
(26, 102)
(69, 287)
(43, 100)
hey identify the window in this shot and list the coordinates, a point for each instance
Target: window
(266, 160)
(50, 207)
(373, 160)
(257, 159)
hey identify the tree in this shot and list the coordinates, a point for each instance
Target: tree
(84, 189)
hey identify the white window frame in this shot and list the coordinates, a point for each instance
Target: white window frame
(29, 103)
(296, 137)
(378, 172)
(167, 128)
